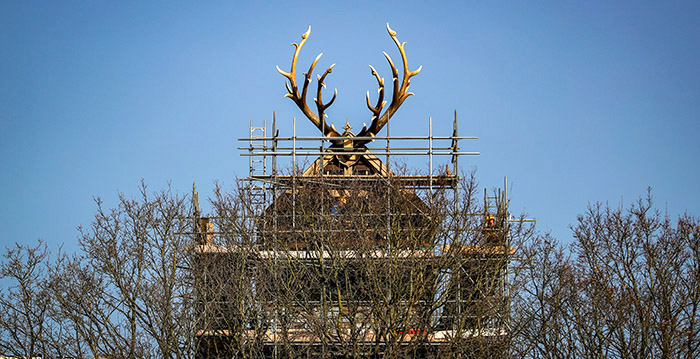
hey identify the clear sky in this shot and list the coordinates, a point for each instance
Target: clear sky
(575, 102)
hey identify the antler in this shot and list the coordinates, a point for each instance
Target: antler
(399, 94)
(300, 99)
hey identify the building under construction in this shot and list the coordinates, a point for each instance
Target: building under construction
(348, 254)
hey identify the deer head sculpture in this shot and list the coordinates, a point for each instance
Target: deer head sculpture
(379, 119)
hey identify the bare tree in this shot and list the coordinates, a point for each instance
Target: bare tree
(637, 267)
(541, 301)
(127, 293)
(362, 269)
(25, 303)
(627, 289)
(353, 269)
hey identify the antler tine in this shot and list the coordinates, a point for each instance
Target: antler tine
(407, 74)
(307, 76)
(399, 94)
(394, 80)
(291, 75)
(376, 110)
(319, 100)
(300, 98)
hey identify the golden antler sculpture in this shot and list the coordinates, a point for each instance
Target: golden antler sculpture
(300, 99)
(399, 95)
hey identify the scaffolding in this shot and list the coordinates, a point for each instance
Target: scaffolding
(257, 191)
(287, 241)
(261, 148)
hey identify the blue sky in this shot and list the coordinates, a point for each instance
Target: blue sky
(575, 102)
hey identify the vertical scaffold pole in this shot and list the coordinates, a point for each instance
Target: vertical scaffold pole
(275, 227)
(455, 162)
(294, 172)
(323, 145)
(455, 147)
(430, 154)
(274, 145)
(388, 192)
